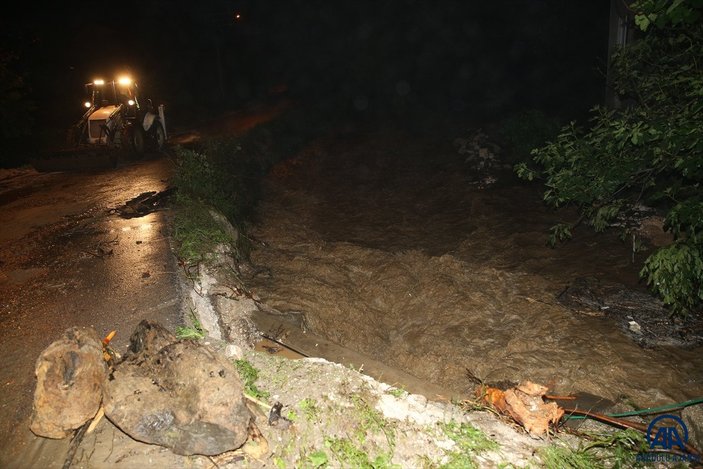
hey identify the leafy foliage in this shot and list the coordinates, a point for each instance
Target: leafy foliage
(196, 232)
(196, 332)
(651, 151)
(526, 130)
(226, 174)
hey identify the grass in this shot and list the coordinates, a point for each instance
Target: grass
(317, 459)
(351, 449)
(309, 409)
(196, 232)
(613, 450)
(249, 375)
(349, 455)
(397, 392)
(194, 332)
(469, 441)
(371, 420)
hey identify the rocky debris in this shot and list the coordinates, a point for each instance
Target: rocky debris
(224, 307)
(640, 316)
(148, 338)
(70, 375)
(225, 224)
(481, 154)
(178, 394)
(478, 148)
(235, 318)
(333, 406)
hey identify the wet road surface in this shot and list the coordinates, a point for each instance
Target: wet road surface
(68, 259)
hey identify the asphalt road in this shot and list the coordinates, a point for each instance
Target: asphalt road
(67, 258)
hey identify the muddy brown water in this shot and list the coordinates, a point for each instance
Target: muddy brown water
(389, 246)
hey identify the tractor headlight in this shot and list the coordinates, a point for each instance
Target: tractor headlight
(99, 82)
(86, 104)
(130, 102)
(124, 81)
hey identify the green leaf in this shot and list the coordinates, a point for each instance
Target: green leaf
(318, 458)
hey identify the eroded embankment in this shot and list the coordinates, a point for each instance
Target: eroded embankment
(388, 247)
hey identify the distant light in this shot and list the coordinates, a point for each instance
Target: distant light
(87, 104)
(99, 81)
(124, 81)
(237, 16)
(130, 102)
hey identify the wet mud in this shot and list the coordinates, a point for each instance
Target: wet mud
(390, 246)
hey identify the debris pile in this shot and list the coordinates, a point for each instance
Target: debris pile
(145, 203)
(529, 405)
(640, 316)
(175, 393)
(480, 154)
(525, 404)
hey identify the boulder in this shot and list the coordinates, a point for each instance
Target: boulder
(71, 373)
(693, 418)
(177, 394)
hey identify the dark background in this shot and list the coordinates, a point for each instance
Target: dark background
(362, 59)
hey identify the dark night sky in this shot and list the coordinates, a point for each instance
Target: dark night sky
(366, 57)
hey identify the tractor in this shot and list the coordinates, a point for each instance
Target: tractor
(116, 119)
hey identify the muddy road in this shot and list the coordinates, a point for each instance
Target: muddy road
(67, 258)
(391, 246)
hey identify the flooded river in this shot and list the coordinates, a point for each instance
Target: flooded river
(388, 246)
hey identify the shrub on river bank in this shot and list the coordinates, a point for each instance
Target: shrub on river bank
(226, 174)
(648, 152)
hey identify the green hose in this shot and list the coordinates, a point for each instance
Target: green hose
(651, 410)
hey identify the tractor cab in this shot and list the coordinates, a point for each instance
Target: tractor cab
(122, 91)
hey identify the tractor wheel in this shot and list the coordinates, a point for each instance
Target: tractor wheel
(159, 135)
(137, 141)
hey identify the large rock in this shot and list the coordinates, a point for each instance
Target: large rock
(177, 394)
(70, 374)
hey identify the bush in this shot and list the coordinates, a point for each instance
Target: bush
(226, 174)
(650, 152)
(524, 131)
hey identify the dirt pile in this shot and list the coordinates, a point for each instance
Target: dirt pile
(177, 394)
(174, 393)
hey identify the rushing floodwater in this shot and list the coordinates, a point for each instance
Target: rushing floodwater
(388, 248)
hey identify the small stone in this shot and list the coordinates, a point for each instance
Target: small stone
(234, 351)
